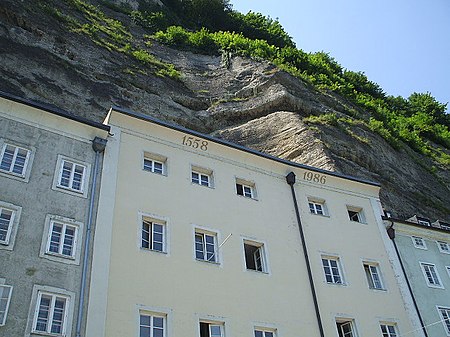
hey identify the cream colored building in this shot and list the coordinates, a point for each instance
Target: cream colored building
(197, 237)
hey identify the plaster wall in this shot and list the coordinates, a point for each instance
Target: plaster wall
(23, 266)
(188, 290)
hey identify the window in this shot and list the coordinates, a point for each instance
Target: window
(50, 314)
(205, 246)
(373, 276)
(71, 176)
(388, 330)
(431, 275)
(152, 325)
(345, 328)
(62, 239)
(448, 270)
(245, 188)
(202, 176)
(419, 242)
(14, 160)
(255, 256)
(5, 298)
(6, 221)
(9, 222)
(445, 317)
(444, 247)
(331, 269)
(153, 235)
(154, 163)
(264, 333)
(211, 329)
(316, 206)
(356, 214)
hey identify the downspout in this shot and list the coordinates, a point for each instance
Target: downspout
(391, 234)
(98, 145)
(290, 179)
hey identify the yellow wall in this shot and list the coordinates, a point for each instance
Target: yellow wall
(190, 290)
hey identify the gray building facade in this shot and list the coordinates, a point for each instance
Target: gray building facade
(49, 163)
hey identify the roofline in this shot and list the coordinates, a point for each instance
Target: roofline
(54, 110)
(236, 146)
(405, 222)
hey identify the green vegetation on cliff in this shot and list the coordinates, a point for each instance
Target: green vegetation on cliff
(213, 27)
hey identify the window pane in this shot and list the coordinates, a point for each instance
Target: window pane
(66, 173)
(58, 315)
(146, 235)
(69, 238)
(19, 164)
(43, 313)
(55, 238)
(5, 220)
(215, 330)
(157, 167)
(7, 158)
(195, 178)
(78, 177)
(199, 252)
(144, 331)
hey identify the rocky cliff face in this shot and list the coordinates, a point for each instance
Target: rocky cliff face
(248, 102)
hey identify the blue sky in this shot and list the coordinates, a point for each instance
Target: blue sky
(403, 45)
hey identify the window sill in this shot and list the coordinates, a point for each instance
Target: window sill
(336, 284)
(257, 271)
(153, 250)
(61, 258)
(210, 187)
(247, 198)
(209, 262)
(435, 287)
(379, 289)
(19, 177)
(321, 215)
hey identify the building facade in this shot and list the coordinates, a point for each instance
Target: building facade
(47, 169)
(198, 237)
(423, 249)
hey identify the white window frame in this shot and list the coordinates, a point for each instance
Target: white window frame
(261, 249)
(248, 189)
(431, 267)
(444, 314)
(8, 243)
(442, 244)
(202, 172)
(152, 221)
(416, 239)
(340, 321)
(317, 206)
(38, 291)
(152, 315)
(389, 333)
(69, 189)
(154, 158)
(329, 266)
(373, 275)
(204, 233)
(4, 302)
(448, 270)
(50, 221)
(25, 174)
(423, 223)
(212, 323)
(359, 213)
(265, 332)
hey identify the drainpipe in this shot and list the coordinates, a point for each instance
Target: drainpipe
(98, 145)
(290, 179)
(391, 234)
